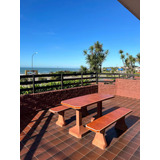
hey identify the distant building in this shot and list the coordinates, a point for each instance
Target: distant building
(137, 68)
(116, 69)
(120, 69)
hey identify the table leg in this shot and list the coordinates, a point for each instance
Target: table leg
(78, 130)
(99, 111)
(85, 112)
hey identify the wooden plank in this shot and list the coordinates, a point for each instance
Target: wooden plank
(72, 84)
(108, 77)
(26, 83)
(44, 87)
(82, 101)
(78, 78)
(58, 109)
(48, 75)
(47, 81)
(108, 119)
(90, 82)
(26, 89)
(25, 76)
(33, 83)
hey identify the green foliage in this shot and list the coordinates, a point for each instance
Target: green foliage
(55, 78)
(24, 80)
(128, 62)
(114, 69)
(64, 72)
(25, 92)
(61, 72)
(138, 58)
(42, 79)
(96, 56)
(53, 87)
(83, 69)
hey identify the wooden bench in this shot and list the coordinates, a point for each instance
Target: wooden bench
(60, 110)
(99, 125)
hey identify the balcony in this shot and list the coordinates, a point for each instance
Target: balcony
(41, 138)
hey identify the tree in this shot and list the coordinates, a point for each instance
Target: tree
(128, 62)
(96, 56)
(138, 58)
(114, 69)
(83, 69)
(131, 63)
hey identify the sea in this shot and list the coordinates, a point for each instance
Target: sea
(47, 70)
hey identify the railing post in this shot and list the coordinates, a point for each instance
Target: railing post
(61, 80)
(33, 83)
(81, 79)
(96, 78)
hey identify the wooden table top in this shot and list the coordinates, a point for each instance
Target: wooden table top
(82, 101)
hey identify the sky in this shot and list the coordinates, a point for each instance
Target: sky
(60, 30)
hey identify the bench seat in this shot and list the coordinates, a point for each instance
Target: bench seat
(99, 125)
(60, 110)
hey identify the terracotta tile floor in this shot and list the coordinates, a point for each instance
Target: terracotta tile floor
(42, 139)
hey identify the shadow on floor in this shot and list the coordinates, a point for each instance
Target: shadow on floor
(25, 120)
(31, 131)
(38, 138)
(91, 111)
(115, 133)
(110, 110)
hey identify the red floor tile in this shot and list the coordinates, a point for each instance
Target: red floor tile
(41, 138)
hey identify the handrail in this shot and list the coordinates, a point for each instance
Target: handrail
(61, 80)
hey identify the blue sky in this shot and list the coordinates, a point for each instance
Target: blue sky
(60, 30)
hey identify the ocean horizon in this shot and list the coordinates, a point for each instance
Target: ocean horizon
(44, 70)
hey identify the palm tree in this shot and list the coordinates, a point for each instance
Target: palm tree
(128, 62)
(96, 56)
(123, 58)
(101, 58)
(138, 58)
(83, 69)
(114, 69)
(132, 62)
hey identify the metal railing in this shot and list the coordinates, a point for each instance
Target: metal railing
(43, 82)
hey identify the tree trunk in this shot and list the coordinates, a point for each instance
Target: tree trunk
(100, 68)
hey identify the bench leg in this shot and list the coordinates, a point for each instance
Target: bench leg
(99, 140)
(61, 122)
(121, 125)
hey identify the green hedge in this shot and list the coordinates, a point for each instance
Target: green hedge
(52, 84)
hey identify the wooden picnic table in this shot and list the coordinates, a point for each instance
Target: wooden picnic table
(79, 103)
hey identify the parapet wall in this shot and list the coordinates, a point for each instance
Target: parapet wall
(121, 87)
(128, 88)
(106, 88)
(44, 100)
